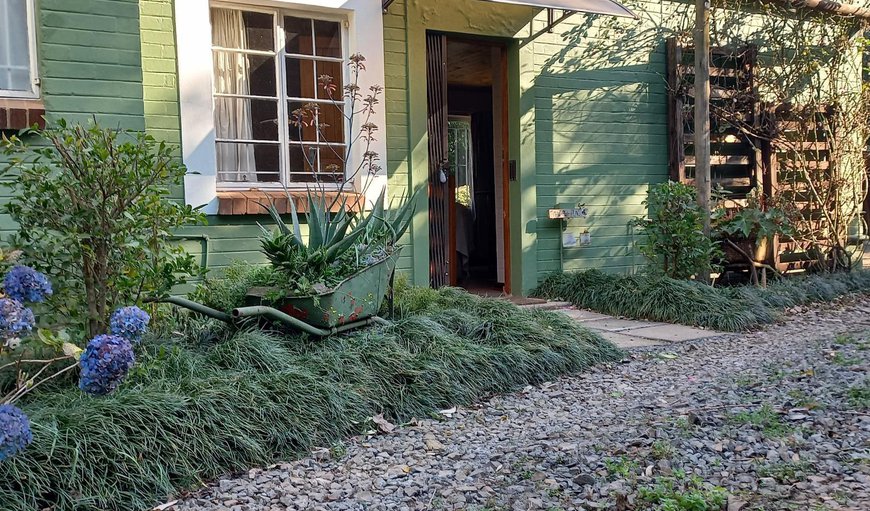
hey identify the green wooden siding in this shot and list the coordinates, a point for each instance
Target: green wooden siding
(225, 239)
(396, 130)
(598, 133)
(89, 60)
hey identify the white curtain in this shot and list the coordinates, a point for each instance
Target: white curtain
(232, 116)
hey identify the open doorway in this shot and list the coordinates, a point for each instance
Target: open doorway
(468, 199)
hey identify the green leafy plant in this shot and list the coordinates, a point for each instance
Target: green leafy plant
(765, 419)
(94, 213)
(674, 231)
(858, 396)
(338, 244)
(683, 494)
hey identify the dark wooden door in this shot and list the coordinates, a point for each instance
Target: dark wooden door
(440, 255)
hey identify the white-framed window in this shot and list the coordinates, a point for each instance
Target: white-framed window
(268, 65)
(18, 76)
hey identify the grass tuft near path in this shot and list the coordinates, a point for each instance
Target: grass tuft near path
(205, 401)
(731, 309)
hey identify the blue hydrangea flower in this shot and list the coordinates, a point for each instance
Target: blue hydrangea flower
(15, 432)
(25, 284)
(15, 319)
(130, 323)
(105, 363)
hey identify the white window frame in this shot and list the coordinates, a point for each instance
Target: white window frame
(33, 93)
(281, 55)
(195, 70)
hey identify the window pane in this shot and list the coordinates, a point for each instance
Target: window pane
(248, 163)
(328, 159)
(328, 38)
(297, 32)
(332, 162)
(237, 73)
(242, 30)
(301, 81)
(332, 123)
(14, 46)
(259, 31)
(301, 123)
(246, 119)
(334, 88)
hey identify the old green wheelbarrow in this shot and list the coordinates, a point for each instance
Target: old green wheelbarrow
(353, 303)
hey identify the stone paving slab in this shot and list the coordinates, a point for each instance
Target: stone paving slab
(583, 315)
(674, 333)
(611, 324)
(621, 340)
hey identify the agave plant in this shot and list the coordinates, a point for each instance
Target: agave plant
(338, 243)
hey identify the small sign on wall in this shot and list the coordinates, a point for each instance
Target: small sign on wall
(572, 240)
(568, 213)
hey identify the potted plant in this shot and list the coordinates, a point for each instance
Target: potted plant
(340, 272)
(748, 231)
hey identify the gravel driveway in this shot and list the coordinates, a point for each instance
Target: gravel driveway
(777, 419)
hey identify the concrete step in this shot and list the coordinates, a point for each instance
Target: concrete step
(546, 306)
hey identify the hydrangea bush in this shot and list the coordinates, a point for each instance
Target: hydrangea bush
(130, 323)
(105, 363)
(15, 432)
(16, 320)
(25, 284)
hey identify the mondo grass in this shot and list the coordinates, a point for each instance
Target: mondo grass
(205, 401)
(731, 309)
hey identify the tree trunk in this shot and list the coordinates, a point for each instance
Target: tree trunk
(702, 118)
(88, 276)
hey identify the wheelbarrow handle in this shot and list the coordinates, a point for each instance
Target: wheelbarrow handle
(193, 306)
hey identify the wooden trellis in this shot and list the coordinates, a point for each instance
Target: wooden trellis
(735, 164)
(742, 156)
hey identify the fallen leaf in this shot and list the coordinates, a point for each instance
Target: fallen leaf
(164, 507)
(383, 424)
(449, 412)
(735, 505)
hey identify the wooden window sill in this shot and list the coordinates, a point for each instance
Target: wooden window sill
(254, 202)
(17, 114)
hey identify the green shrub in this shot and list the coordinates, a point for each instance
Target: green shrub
(93, 212)
(674, 239)
(659, 298)
(227, 290)
(204, 401)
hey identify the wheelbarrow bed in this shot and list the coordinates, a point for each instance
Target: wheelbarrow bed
(355, 299)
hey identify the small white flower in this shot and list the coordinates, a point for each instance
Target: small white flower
(13, 342)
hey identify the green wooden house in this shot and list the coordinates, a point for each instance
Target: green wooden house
(536, 131)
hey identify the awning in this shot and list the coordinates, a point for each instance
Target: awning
(608, 7)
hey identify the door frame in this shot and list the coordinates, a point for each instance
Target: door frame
(501, 104)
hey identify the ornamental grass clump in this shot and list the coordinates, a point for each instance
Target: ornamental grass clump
(206, 400)
(731, 309)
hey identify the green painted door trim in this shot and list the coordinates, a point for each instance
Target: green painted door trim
(488, 20)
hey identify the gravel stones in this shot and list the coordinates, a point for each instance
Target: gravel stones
(769, 418)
